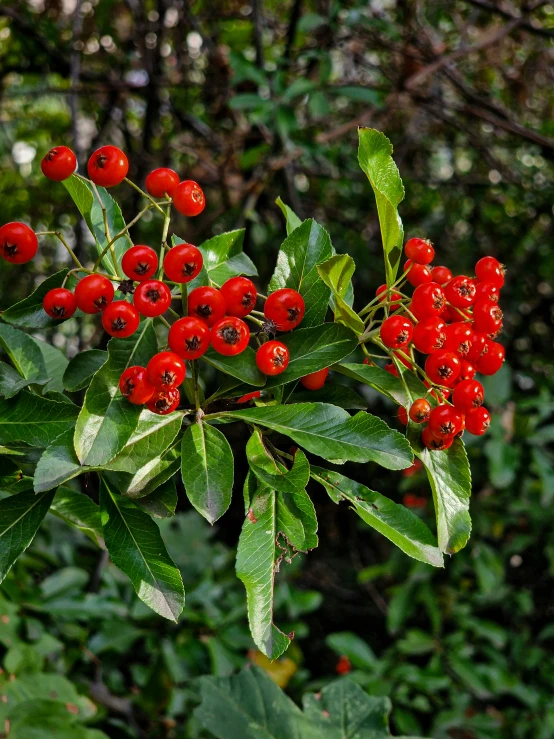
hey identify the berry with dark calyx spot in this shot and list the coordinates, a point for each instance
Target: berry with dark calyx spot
(428, 301)
(165, 370)
(460, 292)
(478, 420)
(419, 251)
(418, 274)
(18, 243)
(489, 269)
(458, 338)
(188, 198)
(486, 291)
(487, 316)
(189, 337)
(272, 358)
(183, 263)
(108, 166)
(429, 335)
(164, 402)
(152, 298)
(441, 275)
(139, 263)
(315, 380)
(285, 308)
(249, 396)
(240, 296)
(420, 410)
(467, 371)
(59, 303)
(134, 385)
(94, 293)
(468, 394)
(59, 163)
(403, 415)
(207, 304)
(120, 319)
(161, 182)
(386, 295)
(434, 443)
(230, 336)
(126, 287)
(396, 331)
(443, 367)
(492, 358)
(445, 421)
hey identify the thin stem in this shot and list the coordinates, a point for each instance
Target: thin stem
(144, 195)
(123, 232)
(194, 370)
(107, 229)
(165, 323)
(69, 249)
(262, 296)
(255, 320)
(184, 298)
(164, 246)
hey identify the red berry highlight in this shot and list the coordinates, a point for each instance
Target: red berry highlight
(396, 331)
(285, 308)
(188, 198)
(18, 243)
(94, 293)
(59, 303)
(161, 182)
(59, 163)
(230, 336)
(120, 319)
(315, 380)
(152, 298)
(207, 304)
(183, 263)
(272, 358)
(134, 385)
(240, 296)
(189, 337)
(108, 166)
(419, 251)
(165, 370)
(139, 263)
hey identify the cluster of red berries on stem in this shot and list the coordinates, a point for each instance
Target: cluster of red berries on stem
(454, 321)
(214, 317)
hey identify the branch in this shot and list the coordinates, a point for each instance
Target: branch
(258, 20)
(526, 25)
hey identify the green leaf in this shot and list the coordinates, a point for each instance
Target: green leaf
(29, 313)
(332, 393)
(11, 381)
(300, 253)
(313, 349)
(337, 273)
(49, 687)
(24, 352)
(207, 469)
(362, 94)
(82, 367)
(352, 646)
(35, 420)
(375, 159)
(150, 476)
(397, 523)
(277, 526)
(58, 463)
(224, 257)
(271, 472)
(375, 377)
(333, 434)
(20, 517)
(162, 502)
(136, 547)
(107, 419)
(243, 366)
(86, 201)
(41, 719)
(55, 362)
(80, 511)
(293, 221)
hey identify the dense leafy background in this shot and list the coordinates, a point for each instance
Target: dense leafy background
(260, 100)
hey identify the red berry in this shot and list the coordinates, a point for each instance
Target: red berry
(410, 500)
(162, 181)
(152, 298)
(272, 358)
(403, 415)
(486, 291)
(489, 269)
(418, 274)
(108, 166)
(207, 304)
(368, 361)
(18, 243)
(420, 410)
(344, 666)
(315, 380)
(428, 300)
(429, 335)
(406, 362)
(386, 295)
(59, 303)
(165, 370)
(230, 336)
(240, 296)
(478, 420)
(468, 394)
(396, 331)
(164, 401)
(94, 293)
(467, 371)
(442, 367)
(492, 358)
(285, 308)
(59, 163)
(183, 263)
(477, 347)
(139, 263)
(411, 471)
(434, 443)
(460, 292)
(487, 317)
(249, 396)
(134, 385)
(188, 198)
(441, 275)
(189, 337)
(120, 319)
(458, 338)
(391, 369)
(445, 421)
(419, 251)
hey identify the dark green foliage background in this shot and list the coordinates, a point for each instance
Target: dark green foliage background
(268, 105)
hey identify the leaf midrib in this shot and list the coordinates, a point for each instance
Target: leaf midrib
(40, 496)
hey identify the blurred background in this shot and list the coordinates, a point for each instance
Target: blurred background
(257, 99)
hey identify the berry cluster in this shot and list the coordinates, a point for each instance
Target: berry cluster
(454, 321)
